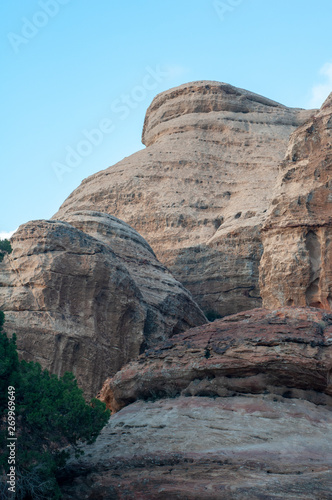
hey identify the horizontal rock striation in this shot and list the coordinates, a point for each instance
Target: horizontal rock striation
(260, 427)
(296, 267)
(200, 190)
(232, 448)
(88, 296)
(287, 352)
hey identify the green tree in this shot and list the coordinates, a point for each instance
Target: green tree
(50, 413)
(5, 247)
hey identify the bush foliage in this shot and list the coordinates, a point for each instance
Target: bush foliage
(50, 414)
(5, 247)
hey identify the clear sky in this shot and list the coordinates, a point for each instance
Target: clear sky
(78, 76)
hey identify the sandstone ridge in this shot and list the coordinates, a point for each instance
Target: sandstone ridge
(286, 352)
(200, 190)
(259, 428)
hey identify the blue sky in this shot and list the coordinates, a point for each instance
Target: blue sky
(79, 75)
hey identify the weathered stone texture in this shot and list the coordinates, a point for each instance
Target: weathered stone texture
(296, 267)
(263, 432)
(286, 352)
(78, 305)
(232, 448)
(199, 191)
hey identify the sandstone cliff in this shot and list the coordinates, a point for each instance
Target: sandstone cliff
(263, 432)
(235, 409)
(296, 267)
(200, 190)
(88, 296)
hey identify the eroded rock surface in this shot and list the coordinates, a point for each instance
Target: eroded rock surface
(286, 352)
(232, 448)
(263, 432)
(199, 191)
(296, 267)
(89, 303)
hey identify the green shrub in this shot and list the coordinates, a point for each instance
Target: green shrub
(50, 415)
(212, 315)
(5, 247)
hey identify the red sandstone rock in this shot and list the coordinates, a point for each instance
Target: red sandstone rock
(286, 352)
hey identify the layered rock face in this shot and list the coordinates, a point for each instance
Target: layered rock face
(286, 352)
(200, 190)
(264, 432)
(89, 303)
(296, 267)
(237, 448)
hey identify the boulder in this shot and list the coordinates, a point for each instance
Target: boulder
(286, 352)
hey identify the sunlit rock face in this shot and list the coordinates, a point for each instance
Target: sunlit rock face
(88, 296)
(296, 267)
(199, 191)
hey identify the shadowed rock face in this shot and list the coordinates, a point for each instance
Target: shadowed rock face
(286, 352)
(296, 267)
(170, 308)
(199, 191)
(89, 303)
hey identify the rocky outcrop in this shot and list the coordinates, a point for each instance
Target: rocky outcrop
(88, 296)
(170, 308)
(296, 267)
(200, 190)
(235, 409)
(286, 352)
(260, 428)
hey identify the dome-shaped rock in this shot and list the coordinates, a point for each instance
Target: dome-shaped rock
(199, 191)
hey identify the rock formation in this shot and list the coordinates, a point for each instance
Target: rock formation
(296, 267)
(286, 352)
(263, 432)
(235, 409)
(239, 408)
(88, 295)
(200, 190)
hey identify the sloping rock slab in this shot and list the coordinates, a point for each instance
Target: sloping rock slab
(252, 447)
